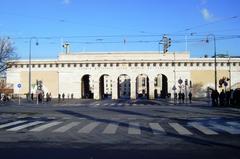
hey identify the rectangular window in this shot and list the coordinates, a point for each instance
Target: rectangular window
(33, 65)
(45, 65)
(56, 65)
(166, 64)
(15, 66)
(105, 65)
(50, 65)
(21, 66)
(142, 64)
(160, 64)
(209, 64)
(69, 65)
(27, 65)
(62, 65)
(136, 64)
(148, 64)
(185, 64)
(179, 64)
(173, 64)
(117, 64)
(86, 64)
(203, 64)
(129, 64)
(222, 64)
(154, 64)
(80, 65)
(191, 64)
(234, 64)
(74, 65)
(93, 64)
(111, 64)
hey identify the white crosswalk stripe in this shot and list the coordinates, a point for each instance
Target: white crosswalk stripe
(25, 126)
(180, 129)
(105, 104)
(12, 123)
(203, 129)
(88, 128)
(111, 128)
(112, 104)
(156, 128)
(228, 129)
(45, 126)
(134, 128)
(66, 127)
(233, 123)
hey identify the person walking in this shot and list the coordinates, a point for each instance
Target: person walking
(183, 97)
(63, 96)
(222, 98)
(59, 98)
(190, 97)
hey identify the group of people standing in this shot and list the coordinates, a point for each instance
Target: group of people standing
(180, 97)
(225, 98)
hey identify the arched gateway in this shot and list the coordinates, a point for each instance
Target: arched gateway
(133, 75)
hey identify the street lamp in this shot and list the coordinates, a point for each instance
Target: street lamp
(30, 62)
(215, 58)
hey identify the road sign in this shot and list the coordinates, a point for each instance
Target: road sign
(19, 85)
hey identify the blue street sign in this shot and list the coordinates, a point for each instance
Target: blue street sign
(19, 85)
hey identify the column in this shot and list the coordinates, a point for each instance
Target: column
(96, 90)
(115, 89)
(151, 88)
(80, 87)
(133, 89)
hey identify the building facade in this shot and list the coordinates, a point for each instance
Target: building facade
(117, 75)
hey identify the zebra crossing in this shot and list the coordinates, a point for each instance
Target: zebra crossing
(112, 127)
(114, 104)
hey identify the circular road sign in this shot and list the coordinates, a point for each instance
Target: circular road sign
(19, 85)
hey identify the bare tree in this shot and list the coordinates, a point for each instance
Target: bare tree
(7, 54)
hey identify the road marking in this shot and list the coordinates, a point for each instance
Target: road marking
(66, 127)
(105, 104)
(111, 128)
(228, 129)
(112, 104)
(45, 126)
(180, 129)
(25, 126)
(12, 123)
(97, 104)
(88, 128)
(156, 128)
(234, 123)
(134, 128)
(203, 129)
(120, 104)
(127, 104)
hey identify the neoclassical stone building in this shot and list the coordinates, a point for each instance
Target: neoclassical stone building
(123, 74)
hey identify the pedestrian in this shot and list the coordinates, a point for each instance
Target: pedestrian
(63, 96)
(190, 97)
(222, 98)
(59, 98)
(72, 96)
(32, 96)
(47, 97)
(175, 98)
(183, 97)
(179, 97)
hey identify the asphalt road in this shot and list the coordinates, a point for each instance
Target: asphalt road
(119, 129)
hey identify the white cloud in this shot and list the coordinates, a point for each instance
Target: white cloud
(66, 2)
(206, 14)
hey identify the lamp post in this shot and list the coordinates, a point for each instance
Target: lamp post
(30, 64)
(215, 59)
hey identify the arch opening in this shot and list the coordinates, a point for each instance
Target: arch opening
(124, 86)
(142, 86)
(105, 87)
(87, 87)
(161, 86)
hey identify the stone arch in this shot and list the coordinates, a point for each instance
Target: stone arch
(87, 86)
(124, 86)
(142, 86)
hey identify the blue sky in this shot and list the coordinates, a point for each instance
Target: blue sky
(121, 25)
